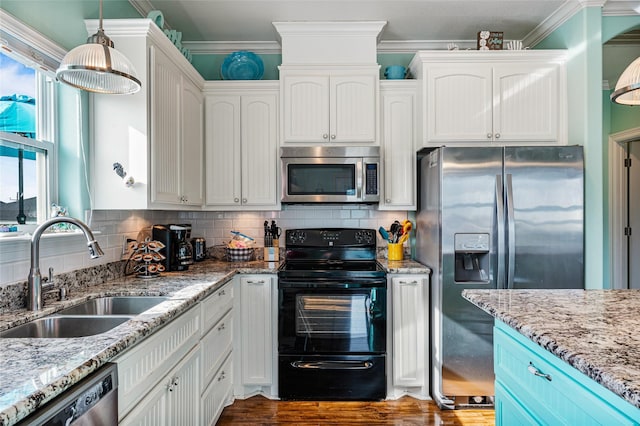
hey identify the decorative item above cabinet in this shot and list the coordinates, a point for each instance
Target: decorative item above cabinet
(492, 97)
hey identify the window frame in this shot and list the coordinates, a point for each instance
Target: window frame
(31, 48)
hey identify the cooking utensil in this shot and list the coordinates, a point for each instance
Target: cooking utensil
(404, 238)
(383, 232)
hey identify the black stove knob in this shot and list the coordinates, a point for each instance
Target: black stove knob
(365, 237)
(297, 237)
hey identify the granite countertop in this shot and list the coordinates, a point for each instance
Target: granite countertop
(595, 331)
(406, 266)
(33, 371)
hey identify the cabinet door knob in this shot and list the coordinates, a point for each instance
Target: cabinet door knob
(387, 200)
(236, 200)
(533, 370)
(325, 136)
(244, 201)
(497, 135)
(333, 136)
(489, 135)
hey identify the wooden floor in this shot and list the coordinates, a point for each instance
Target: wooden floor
(406, 411)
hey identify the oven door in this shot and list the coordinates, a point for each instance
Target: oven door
(332, 317)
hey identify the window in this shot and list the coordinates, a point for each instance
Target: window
(27, 112)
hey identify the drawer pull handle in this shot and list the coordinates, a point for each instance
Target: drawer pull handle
(255, 282)
(222, 376)
(533, 370)
(222, 293)
(221, 327)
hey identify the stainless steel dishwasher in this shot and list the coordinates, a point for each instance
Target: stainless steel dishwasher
(93, 401)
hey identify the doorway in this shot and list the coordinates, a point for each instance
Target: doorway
(624, 209)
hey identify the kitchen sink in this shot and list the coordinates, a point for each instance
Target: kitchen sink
(120, 305)
(65, 326)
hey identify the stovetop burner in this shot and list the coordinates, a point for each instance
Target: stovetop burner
(333, 253)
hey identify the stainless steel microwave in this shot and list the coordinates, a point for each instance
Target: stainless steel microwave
(330, 174)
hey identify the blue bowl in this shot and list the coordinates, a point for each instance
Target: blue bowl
(395, 72)
(242, 65)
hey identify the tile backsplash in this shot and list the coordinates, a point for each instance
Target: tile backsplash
(66, 253)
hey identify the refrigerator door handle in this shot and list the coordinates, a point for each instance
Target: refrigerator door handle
(511, 233)
(500, 283)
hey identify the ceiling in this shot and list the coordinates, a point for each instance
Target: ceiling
(407, 20)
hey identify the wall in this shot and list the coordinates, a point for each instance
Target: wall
(68, 253)
(581, 35)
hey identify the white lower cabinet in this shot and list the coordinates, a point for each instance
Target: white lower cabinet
(255, 341)
(182, 374)
(218, 394)
(145, 366)
(174, 400)
(409, 335)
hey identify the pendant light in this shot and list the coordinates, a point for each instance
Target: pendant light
(97, 67)
(627, 91)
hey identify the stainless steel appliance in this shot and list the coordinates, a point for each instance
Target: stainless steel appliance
(490, 217)
(335, 174)
(332, 311)
(199, 246)
(177, 251)
(93, 401)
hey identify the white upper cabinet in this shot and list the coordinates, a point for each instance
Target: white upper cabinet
(398, 145)
(329, 82)
(176, 134)
(156, 135)
(477, 97)
(241, 145)
(329, 106)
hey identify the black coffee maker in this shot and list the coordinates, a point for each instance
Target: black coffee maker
(177, 250)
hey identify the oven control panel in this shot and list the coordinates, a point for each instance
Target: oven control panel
(331, 237)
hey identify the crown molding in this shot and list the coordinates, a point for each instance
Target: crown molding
(226, 47)
(28, 43)
(621, 8)
(274, 48)
(556, 19)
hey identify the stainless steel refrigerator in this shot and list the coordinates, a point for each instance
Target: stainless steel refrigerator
(492, 217)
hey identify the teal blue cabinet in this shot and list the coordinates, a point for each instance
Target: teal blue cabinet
(535, 387)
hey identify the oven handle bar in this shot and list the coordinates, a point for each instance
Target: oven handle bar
(333, 365)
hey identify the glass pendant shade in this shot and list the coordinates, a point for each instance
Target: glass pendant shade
(627, 91)
(97, 67)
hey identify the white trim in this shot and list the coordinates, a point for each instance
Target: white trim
(32, 46)
(226, 47)
(618, 206)
(620, 8)
(557, 18)
(142, 6)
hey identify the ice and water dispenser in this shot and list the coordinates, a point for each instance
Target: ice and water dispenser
(472, 258)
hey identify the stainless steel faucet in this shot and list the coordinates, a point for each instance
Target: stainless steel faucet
(34, 282)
